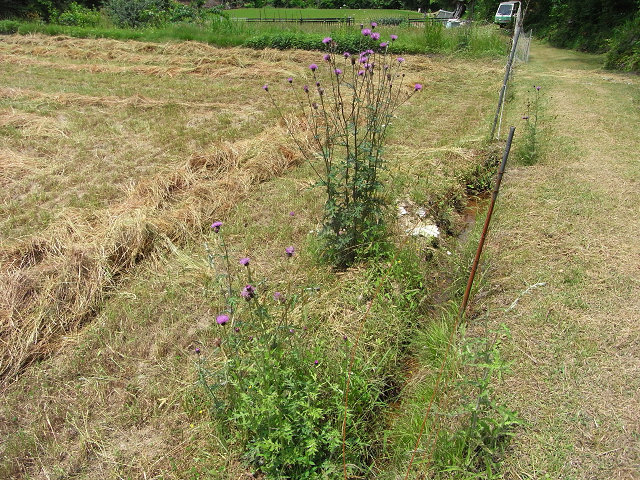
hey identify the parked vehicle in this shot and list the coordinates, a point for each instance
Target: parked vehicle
(507, 13)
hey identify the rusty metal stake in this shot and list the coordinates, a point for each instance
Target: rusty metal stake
(494, 195)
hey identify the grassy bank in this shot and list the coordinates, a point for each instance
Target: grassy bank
(480, 41)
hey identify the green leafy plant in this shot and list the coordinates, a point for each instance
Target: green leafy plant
(136, 13)
(349, 109)
(475, 448)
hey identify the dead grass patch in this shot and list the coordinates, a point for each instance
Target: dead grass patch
(57, 280)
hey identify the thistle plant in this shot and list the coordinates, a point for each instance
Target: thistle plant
(275, 381)
(349, 102)
(528, 152)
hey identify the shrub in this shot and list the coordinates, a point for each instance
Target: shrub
(137, 13)
(8, 27)
(391, 21)
(79, 16)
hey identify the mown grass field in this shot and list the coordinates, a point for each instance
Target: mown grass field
(115, 159)
(565, 246)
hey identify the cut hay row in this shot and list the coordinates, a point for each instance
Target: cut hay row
(73, 99)
(167, 59)
(57, 280)
(212, 71)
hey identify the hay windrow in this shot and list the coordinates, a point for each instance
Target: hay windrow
(71, 99)
(53, 283)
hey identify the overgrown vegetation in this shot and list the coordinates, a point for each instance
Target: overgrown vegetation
(117, 267)
(277, 378)
(624, 46)
(480, 41)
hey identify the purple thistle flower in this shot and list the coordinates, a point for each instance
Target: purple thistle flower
(278, 297)
(384, 44)
(337, 71)
(346, 54)
(290, 80)
(265, 87)
(197, 350)
(394, 38)
(375, 36)
(236, 329)
(538, 88)
(222, 319)
(400, 59)
(361, 72)
(364, 59)
(313, 67)
(289, 251)
(370, 52)
(317, 84)
(316, 362)
(248, 292)
(417, 87)
(526, 117)
(306, 89)
(366, 32)
(216, 226)
(291, 330)
(292, 214)
(245, 261)
(374, 24)
(326, 40)
(327, 57)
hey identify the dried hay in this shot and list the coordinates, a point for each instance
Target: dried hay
(52, 284)
(31, 124)
(110, 101)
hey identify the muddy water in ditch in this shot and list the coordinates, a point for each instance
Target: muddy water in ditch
(476, 205)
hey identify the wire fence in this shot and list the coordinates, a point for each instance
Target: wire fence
(523, 47)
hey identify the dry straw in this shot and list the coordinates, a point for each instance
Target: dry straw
(52, 283)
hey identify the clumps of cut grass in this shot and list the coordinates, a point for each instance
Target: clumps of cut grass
(56, 281)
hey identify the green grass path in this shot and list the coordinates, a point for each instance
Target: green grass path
(572, 222)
